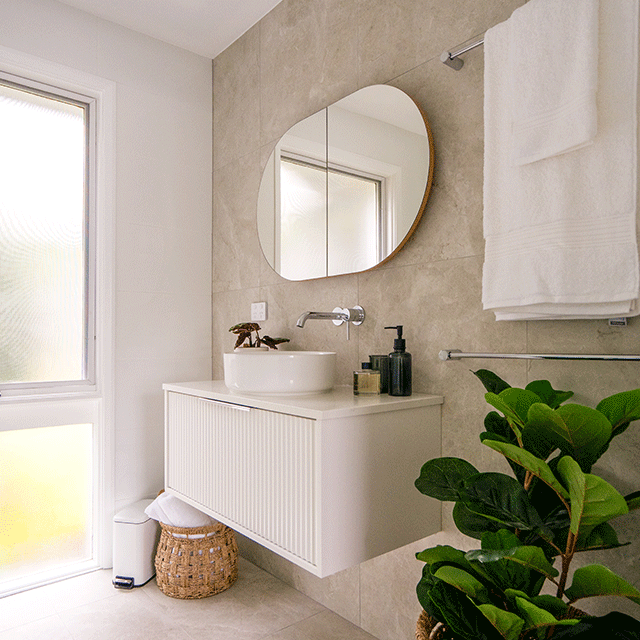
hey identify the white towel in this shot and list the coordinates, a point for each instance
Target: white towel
(172, 511)
(560, 233)
(553, 64)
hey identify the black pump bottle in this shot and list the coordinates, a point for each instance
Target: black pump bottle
(399, 367)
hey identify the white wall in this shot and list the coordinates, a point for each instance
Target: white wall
(163, 214)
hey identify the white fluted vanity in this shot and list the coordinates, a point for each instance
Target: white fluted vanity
(324, 480)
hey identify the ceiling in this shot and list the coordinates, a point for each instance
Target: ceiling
(205, 27)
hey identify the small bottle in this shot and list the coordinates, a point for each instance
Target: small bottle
(366, 381)
(399, 367)
(381, 363)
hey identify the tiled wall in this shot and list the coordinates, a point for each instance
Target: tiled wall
(302, 56)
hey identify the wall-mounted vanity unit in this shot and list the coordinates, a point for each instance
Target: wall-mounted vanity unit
(324, 480)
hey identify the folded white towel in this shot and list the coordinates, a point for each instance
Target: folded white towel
(553, 67)
(172, 511)
(560, 233)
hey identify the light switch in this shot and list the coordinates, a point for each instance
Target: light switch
(258, 311)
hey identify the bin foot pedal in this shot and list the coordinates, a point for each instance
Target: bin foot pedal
(122, 582)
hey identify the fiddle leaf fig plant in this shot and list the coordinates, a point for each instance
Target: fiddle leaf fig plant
(532, 524)
(245, 331)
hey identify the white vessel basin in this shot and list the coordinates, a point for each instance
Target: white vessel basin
(279, 372)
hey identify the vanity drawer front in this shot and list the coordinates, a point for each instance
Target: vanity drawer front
(253, 469)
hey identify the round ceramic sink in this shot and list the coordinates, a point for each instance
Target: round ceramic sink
(279, 372)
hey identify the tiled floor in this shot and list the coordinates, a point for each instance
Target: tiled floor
(257, 606)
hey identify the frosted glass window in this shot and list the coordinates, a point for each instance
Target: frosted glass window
(44, 282)
(45, 499)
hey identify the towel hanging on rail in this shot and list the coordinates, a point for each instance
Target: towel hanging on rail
(553, 62)
(560, 233)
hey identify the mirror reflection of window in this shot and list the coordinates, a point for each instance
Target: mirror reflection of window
(354, 214)
(303, 220)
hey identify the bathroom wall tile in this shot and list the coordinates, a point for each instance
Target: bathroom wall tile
(288, 301)
(339, 592)
(307, 61)
(236, 248)
(236, 98)
(441, 29)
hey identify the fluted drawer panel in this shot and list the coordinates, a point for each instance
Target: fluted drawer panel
(251, 467)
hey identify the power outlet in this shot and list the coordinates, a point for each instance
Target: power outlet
(258, 311)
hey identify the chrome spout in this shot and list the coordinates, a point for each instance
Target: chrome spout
(338, 316)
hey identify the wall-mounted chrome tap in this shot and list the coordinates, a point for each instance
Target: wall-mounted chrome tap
(338, 316)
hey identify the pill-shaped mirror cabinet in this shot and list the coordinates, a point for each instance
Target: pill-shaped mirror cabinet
(345, 188)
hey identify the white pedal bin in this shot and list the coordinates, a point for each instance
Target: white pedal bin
(135, 536)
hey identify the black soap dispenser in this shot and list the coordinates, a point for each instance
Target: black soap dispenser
(399, 366)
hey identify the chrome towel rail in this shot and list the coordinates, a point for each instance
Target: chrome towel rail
(455, 354)
(451, 58)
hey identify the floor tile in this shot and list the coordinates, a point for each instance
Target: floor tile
(325, 625)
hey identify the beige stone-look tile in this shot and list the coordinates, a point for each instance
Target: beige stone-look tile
(389, 605)
(307, 61)
(21, 608)
(288, 301)
(126, 614)
(236, 248)
(441, 26)
(388, 39)
(51, 628)
(339, 592)
(256, 604)
(451, 225)
(236, 99)
(322, 626)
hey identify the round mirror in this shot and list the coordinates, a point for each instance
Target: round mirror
(344, 189)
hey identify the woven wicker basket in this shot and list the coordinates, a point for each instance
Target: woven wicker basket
(197, 562)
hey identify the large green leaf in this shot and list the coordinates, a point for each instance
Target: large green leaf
(532, 558)
(510, 414)
(496, 424)
(578, 431)
(463, 581)
(508, 624)
(596, 580)
(472, 524)
(500, 540)
(441, 477)
(576, 481)
(442, 553)
(593, 500)
(501, 498)
(548, 395)
(538, 618)
(602, 536)
(460, 614)
(537, 467)
(492, 383)
(621, 408)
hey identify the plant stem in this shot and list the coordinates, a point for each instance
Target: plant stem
(567, 556)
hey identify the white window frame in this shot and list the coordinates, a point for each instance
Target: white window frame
(94, 402)
(88, 384)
